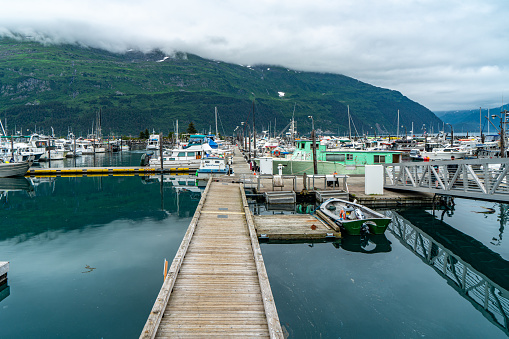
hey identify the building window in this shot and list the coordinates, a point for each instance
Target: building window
(379, 159)
(349, 157)
(334, 157)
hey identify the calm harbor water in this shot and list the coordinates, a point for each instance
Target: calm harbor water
(86, 261)
(86, 254)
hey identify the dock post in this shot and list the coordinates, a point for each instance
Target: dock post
(304, 181)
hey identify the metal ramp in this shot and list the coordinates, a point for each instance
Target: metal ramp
(485, 179)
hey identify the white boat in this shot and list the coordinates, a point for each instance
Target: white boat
(89, 146)
(187, 157)
(212, 167)
(444, 154)
(153, 142)
(13, 169)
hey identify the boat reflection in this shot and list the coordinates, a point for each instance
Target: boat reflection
(369, 243)
(5, 291)
(15, 184)
(477, 273)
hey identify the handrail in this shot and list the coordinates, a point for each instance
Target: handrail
(485, 179)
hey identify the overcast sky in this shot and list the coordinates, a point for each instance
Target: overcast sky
(444, 54)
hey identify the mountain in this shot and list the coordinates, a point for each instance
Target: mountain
(472, 120)
(64, 86)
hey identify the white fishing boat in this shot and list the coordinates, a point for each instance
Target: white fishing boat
(153, 142)
(13, 169)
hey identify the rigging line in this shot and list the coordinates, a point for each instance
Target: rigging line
(356, 133)
(222, 127)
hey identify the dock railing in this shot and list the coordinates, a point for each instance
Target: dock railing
(291, 182)
(485, 179)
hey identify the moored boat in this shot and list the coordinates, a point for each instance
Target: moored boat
(212, 167)
(13, 169)
(354, 218)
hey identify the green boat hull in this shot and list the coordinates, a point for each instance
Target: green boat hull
(376, 226)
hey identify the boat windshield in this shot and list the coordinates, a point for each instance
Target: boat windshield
(196, 141)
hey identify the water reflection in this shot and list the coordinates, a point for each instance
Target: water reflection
(371, 243)
(76, 202)
(75, 243)
(473, 270)
(5, 291)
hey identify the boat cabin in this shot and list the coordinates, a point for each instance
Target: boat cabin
(349, 157)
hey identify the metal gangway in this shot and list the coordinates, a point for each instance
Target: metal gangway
(482, 289)
(485, 179)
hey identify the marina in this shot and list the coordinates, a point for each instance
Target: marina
(296, 246)
(289, 172)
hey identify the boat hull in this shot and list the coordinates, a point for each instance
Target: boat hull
(207, 173)
(13, 169)
(376, 226)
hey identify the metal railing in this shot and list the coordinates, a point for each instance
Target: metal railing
(291, 182)
(485, 179)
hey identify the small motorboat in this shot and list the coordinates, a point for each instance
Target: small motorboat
(212, 166)
(354, 218)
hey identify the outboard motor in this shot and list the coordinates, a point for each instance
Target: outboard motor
(364, 229)
(145, 158)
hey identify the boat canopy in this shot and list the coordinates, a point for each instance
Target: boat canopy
(212, 144)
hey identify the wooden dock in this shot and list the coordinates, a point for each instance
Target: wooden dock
(4, 269)
(217, 285)
(294, 227)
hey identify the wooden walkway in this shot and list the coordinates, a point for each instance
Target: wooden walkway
(217, 285)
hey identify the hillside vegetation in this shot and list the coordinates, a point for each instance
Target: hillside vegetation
(64, 86)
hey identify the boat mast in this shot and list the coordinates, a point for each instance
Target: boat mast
(397, 132)
(3, 130)
(177, 134)
(293, 124)
(217, 136)
(349, 124)
(480, 121)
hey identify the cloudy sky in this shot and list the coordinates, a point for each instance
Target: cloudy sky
(444, 54)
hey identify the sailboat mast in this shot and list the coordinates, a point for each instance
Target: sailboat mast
(217, 136)
(480, 121)
(349, 123)
(397, 132)
(293, 124)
